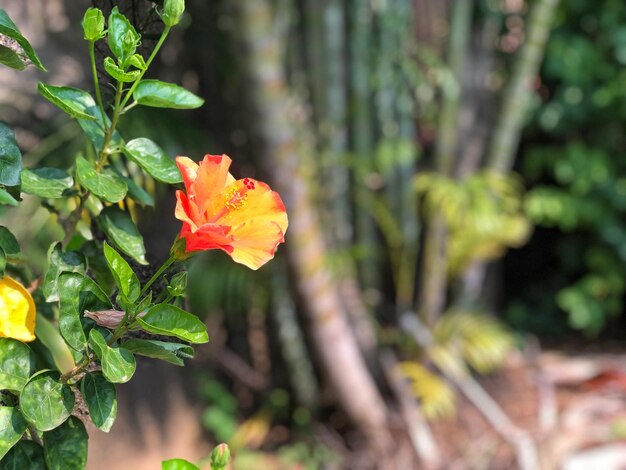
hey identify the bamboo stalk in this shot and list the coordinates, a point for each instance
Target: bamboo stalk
(274, 119)
(406, 169)
(448, 129)
(361, 138)
(314, 30)
(505, 140)
(333, 130)
(434, 273)
(510, 121)
(293, 343)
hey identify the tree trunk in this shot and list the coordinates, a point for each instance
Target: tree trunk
(274, 119)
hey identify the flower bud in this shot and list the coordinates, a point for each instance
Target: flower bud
(177, 284)
(178, 250)
(172, 11)
(220, 457)
(93, 25)
(130, 41)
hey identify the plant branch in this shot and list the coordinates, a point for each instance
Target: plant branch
(72, 220)
(422, 439)
(104, 153)
(80, 367)
(148, 62)
(33, 434)
(519, 438)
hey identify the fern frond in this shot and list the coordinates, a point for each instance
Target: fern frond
(484, 214)
(481, 340)
(436, 397)
(448, 359)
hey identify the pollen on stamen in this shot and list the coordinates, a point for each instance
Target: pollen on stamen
(235, 199)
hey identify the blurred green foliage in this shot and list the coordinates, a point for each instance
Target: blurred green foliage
(573, 161)
(483, 214)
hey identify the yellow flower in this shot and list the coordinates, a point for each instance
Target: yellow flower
(17, 311)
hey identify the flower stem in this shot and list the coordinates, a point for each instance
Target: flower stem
(160, 271)
(96, 87)
(119, 331)
(129, 318)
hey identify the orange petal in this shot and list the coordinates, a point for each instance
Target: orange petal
(206, 237)
(17, 311)
(213, 177)
(255, 241)
(186, 210)
(188, 170)
(246, 200)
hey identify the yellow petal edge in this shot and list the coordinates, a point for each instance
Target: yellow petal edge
(17, 311)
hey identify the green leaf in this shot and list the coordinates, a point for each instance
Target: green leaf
(153, 160)
(17, 364)
(168, 320)
(6, 199)
(123, 274)
(177, 464)
(24, 455)
(12, 427)
(47, 182)
(118, 364)
(10, 58)
(8, 242)
(14, 192)
(78, 293)
(65, 448)
(8, 28)
(160, 94)
(137, 61)
(45, 402)
(58, 262)
(137, 193)
(174, 353)
(119, 74)
(122, 231)
(10, 155)
(105, 184)
(122, 37)
(145, 303)
(100, 396)
(94, 128)
(73, 101)
(3, 262)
